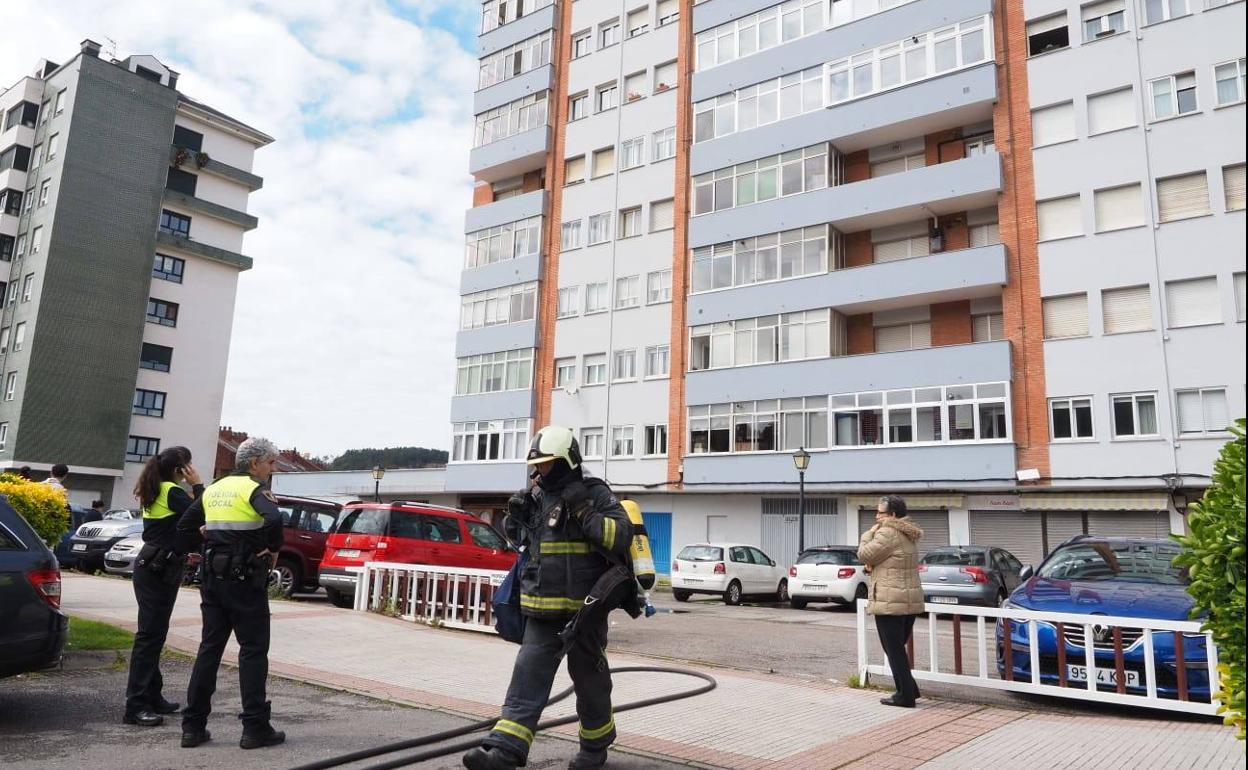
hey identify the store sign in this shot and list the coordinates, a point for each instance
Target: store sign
(992, 503)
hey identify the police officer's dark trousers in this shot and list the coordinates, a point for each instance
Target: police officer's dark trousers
(534, 674)
(156, 593)
(241, 607)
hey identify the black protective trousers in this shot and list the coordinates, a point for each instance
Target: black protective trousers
(242, 608)
(895, 632)
(534, 674)
(156, 593)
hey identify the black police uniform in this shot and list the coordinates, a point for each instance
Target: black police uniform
(576, 531)
(157, 576)
(233, 598)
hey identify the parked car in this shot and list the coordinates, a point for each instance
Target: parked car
(32, 627)
(830, 573)
(77, 515)
(95, 538)
(407, 533)
(306, 526)
(1124, 577)
(119, 560)
(703, 569)
(969, 574)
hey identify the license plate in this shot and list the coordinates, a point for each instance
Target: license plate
(1107, 676)
(816, 586)
(348, 553)
(79, 547)
(944, 600)
(693, 580)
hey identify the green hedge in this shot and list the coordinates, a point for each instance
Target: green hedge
(1214, 554)
(44, 508)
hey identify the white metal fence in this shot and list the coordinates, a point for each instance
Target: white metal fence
(453, 597)
(1109, 634)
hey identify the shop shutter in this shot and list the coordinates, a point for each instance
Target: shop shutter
(1019, 533)
(1065, 316)
(1127, 310)
(780, 517)
(1118, 208)
(1059, 218)
(1111, 111)
(935, 526)
(1183, 197)
(1233, 184)
(1193, 302)
(1061, 527)
(1149, 524)
(661, 215)
(1050, 125)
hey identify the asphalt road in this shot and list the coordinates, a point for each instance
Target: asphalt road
(71, 719)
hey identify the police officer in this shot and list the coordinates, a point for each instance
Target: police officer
(576, 531)
(242, 527)
(157, 575)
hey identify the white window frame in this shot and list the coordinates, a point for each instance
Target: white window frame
(659, 287)
(810, 16)
(1172, 84)
(1239, 80)
(663, 144)
(609, 33)
(624, 365)
(594, 369)
(586, 38)
(565, 372)
(749, 261)
(10, 386)
(730, 182)
(598, 294)
(630, 222)
(570, 235)
(494, 307)
(593, 443)
(515, 240)
(910, 400)
(1135, 398)
(1205, 429)
(658, 362)
(1167, 13)
(623, 442)
(578, 106)
(632, 153)
(510, 367)
(514, 60)
(599, 229)
(1070, 403)
(654, 440)
(507, 440)
(568, 302)
(507, 120)
(627, 292)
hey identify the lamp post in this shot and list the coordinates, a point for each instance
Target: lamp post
(378, 473)
(801, 461)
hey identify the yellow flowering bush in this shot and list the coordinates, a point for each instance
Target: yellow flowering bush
(45, 509)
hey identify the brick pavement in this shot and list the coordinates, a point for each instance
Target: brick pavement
(751, 721)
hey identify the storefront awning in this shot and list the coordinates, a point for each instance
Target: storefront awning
(915, 502)
(1091, 501)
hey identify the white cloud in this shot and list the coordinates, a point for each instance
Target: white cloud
(344, 331)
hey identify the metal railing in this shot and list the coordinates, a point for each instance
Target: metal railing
(450, 596)
(1118, 635)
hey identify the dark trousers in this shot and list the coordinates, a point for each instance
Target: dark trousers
(156, 593)
(240, 607)
(534, 674)
(895, 631)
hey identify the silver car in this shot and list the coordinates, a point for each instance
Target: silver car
(969, 574)
(119, 560)
(96, 538)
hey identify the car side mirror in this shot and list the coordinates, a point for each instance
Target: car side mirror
(1026, 572)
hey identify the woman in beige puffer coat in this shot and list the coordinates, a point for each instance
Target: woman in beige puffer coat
(890, 552)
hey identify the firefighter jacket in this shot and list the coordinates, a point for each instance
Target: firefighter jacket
(565, 560)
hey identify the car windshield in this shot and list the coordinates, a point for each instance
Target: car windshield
(701, 553)
(826, 557)
(955, 557)
(1136, 562)
(118, 515)
(365, 521)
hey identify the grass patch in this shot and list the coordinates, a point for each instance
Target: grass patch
(92, 635)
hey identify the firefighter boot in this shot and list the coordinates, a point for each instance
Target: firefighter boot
(588, 759)
(490, 758)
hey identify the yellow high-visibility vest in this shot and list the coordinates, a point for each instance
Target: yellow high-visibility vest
(227, 504)
(159, 509)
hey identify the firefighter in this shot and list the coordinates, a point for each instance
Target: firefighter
(157, 575)
(576, 532)
(242, 527)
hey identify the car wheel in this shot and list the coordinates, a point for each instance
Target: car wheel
(1001, 597)
(796, 603)
(861, 593)
(339, 599)
(679, 595)
(732, 597)
(782, 592)
(286, 576)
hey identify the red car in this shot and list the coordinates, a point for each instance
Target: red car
(306, 524)
(407, 533)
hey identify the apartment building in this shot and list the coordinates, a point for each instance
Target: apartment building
(121, 231)
(985, 253)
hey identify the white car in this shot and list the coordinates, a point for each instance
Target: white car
(731, 570)
(119, 560)
(830, 573)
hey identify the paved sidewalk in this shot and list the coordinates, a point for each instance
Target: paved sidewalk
(750, 721)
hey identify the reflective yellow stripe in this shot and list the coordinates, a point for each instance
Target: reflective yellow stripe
(514, 729)
(159, 509)
(550, 602)
(598, 732)
(608, 532)
(563, 546)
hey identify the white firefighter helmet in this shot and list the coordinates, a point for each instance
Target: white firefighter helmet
(555, 442)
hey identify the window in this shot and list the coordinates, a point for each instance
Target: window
(6, 252)
(662, 215)
(753, 426)
(60, 102)
(638, 22)
(45, 190)
(1193, 302)
(5, 334)
(981, 145)
(627, 292)
(1173, 95)
(578, 106)
(19, 337)
(592, 441)
(1053, 124)
(595, 369)
(596, 297)
(28, 199)
(139, 448)
(1134, 414)
(986, 234)
(765, 340)
(986, 327)
(1048, 34)
(24, 114)
(658, 358)
(4, 434)
(1070, 419)
(54, 144)
(667, 12)
(17, 157)
(1228, 79)
(487, 440)
(659, 287)
(759, 104)
(1163, 10)
(1233, 186)
(161, 312)
(494, 372)
(1118, 208)
(1111, 111)
(1202, 410)
(792, 173)
(185, 137)
(569, 302)
(181, 181)
(1128, 309)
(907, 336)
(155, 357)
(635, 86)
(1103, 19)
(574, 170)
(28, 287)
(921, 415)
(624, 365)
(622, 443)
(599, 228)
(609, 33)
(1183, 197)
(565, 372)
(756, 32)
(495, 307)
(570, 235)
(168, 268)
(762, 259)
(898, 165)
(664, 77)
(510, 119)
(1059, 218)
(515, 60)
(13, 294)
(632, 152)
(664, 144)
(11, 202)
(149, 402)
(175, 224)
(1065, 316)
(1239, 296)
(513, 240)
(10, 386)
(582, 44)
(630, 222)
(604, 162)
(902, 248)
(655, 441)
(36, 240)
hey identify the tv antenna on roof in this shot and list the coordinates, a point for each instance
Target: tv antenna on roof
(110, 50)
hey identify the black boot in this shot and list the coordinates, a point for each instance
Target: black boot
(192, 738)
(165, 707)
(259, 740)
(490, 758)
(588, 759)
(144, 718)
(896, 701)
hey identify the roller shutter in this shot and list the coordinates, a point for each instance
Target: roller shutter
(779, 534)
(1018, 533)
(1151, 524)
(1183, 197)
(1062, 527)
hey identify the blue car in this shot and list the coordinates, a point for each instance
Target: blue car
(1123, 577)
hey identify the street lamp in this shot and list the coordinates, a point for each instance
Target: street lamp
(378, 472)
(801, 461)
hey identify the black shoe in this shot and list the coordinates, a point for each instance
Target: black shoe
(586, 759)
(144, 718)
(192, 738)
(905, 704)
(165, 707)
(489, 758)
(259, 741)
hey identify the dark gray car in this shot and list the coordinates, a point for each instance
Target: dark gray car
(32, 626)
(969, 574)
